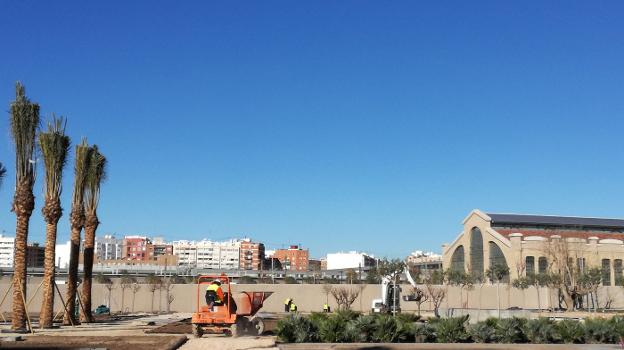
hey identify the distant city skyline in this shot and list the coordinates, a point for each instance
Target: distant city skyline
(338, 125)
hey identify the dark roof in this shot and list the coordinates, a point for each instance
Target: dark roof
(559, 221)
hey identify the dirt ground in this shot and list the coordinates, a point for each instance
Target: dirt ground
(106, 342)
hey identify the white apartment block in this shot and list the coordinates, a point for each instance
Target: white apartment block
(349, 260)
(7, 248)
(207, 254)
(61, 254)
(108, 248)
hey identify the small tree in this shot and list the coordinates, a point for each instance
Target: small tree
(108, 284)
(327, 289)
(345, 296)
(521, 283)
(125, 282)
(420, 297)
(497, 273)
(136, 287)
(168, 286)
(589, 282)
(436, 295)
(154, 282)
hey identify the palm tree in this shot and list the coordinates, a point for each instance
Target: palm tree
(95, 174)
(24, 123)
(54, 145)
(76, 220)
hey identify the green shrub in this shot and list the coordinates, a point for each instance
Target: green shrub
(295, 328)
(541, 331)
(510, 330)
(424, 333)
(617, 322)
(482, 332)
(452, 330)
(571, 331)
(389, 329)
(600, 330)
(332, 329)
(361, 329)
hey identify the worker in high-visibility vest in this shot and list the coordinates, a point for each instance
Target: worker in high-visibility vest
(293, 306)
(214, 294)
(326, 308)
(287, 304)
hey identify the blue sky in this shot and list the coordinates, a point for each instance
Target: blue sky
(340, 125)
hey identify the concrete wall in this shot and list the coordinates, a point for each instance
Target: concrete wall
(310, 297)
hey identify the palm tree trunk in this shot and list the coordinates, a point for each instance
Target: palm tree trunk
(18, 317)
(90, 228)
(23, 205)
(47, 306)
(72, 273)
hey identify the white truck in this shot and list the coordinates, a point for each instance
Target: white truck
(390, 293)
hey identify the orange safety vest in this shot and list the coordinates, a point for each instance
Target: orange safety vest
(217, 289)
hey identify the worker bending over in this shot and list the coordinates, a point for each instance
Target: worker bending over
(214, 294)
(293, 306)
(287, 304)
(326, 308)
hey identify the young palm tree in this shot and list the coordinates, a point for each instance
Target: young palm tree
(54, 145)
(95, 174)
(24, 123)
(76, 220)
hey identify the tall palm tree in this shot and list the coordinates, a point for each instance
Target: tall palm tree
(24, 123)
(96, 172)
(54, 145)
(76, 220)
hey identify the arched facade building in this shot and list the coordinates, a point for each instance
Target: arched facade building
(528, 243)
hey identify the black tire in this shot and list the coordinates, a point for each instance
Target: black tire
(198, 331)
(257, 326)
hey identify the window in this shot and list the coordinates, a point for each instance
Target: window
(529, 263)
(617, 267)
(497, 258)
(542, 263)
(606, 272)
(457, 259)
(580, 264)
(476, 251)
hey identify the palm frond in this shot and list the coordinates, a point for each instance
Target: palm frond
(96, 173)
(24, 123)
(83, 153)
(54, 146)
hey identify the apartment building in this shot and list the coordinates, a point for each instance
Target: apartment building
(35, 255)
(349, 260)
(207, 254)
(108, 248)
(7, 248)
(251, 255)
(294, 258)
(137, 248)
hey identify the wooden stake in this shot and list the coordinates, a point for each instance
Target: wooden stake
(34, 294)
(3, 298)
(63, 302)
(32, 331)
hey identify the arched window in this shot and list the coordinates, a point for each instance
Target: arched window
(529, 265)
(542, 264)
(476, 251)
(457, 259)
(497, 258)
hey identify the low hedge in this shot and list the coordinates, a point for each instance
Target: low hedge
(351, 327)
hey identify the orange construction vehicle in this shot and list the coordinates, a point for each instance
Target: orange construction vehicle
(234, 315)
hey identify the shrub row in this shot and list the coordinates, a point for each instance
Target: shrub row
(351, 327)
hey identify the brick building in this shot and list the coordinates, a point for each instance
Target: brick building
(137, 248)
(251, 255)
(35, 255)
(294, 258)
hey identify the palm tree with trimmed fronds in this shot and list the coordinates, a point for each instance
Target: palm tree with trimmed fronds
(24, 124)
(96, 173)
(77, 221)
(54, 145)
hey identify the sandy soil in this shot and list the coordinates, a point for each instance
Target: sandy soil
(107, 342)
(223, 342)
